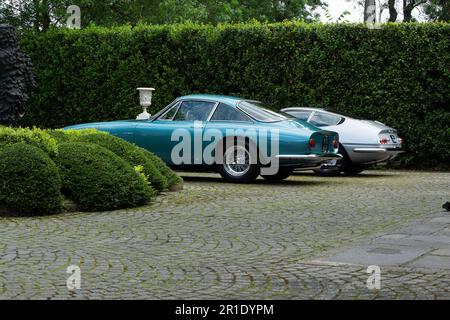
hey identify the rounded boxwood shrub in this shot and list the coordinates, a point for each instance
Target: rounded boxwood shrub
(174, 181)
(97, 179)
(59, 135)
(129, 152)
(125, 150)
(30, 183)
(35, 137)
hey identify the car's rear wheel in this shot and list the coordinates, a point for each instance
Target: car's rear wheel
(327, 171)
(354, 169)
(238, 164)
(343, 165)
(349, 168)
(330, 171)
(282, 174)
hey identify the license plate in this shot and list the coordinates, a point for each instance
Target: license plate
(391, 138)
(394, 138)
(325, 144)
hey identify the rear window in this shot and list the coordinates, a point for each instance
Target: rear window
(323, 119)
(302, 115)
(260, 112)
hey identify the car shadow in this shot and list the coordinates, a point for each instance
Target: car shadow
(364, 175)
(259, 181)
(287, 183)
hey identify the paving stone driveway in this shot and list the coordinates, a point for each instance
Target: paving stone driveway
(220, 240)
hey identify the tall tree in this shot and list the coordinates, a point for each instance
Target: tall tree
(380, 6)
(409, 6)
(393, 14)
(438, 10)
(369, 11)
(41, 14)
(36, 14)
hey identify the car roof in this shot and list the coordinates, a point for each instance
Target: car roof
(302, 108)
(216, 97)
(314, 109)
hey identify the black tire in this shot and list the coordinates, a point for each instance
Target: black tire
(354, 169)
(227, 170)
(348, 167)
(281, 175)
(326, 171)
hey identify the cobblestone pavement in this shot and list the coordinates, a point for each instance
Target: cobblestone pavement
(220, 240)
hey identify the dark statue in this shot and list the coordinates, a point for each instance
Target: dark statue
(16, 77)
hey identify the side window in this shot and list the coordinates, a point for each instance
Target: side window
(170, 113)
(194, 111)
(322, 119)
(227, 113)
(302, 115)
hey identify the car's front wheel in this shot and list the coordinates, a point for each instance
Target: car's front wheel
(238, 165)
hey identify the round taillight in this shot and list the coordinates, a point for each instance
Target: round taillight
(384, 141)
(335, 144)
(312, 143)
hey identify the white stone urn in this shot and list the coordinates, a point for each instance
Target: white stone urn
(145, 97)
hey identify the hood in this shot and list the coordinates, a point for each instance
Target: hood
(98, 125)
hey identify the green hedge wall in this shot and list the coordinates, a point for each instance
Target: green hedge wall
(398, 74)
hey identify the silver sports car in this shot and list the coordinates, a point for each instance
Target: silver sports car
(362, 142)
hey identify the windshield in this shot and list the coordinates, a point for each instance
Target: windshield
(260, 112)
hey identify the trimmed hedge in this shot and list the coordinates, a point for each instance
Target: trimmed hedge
(118, 175)
(98, 180)
(128, 152)
(35, 137)
(398, 74)
(173, 179)
(29, 181)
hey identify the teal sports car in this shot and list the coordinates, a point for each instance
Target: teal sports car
(239, 138)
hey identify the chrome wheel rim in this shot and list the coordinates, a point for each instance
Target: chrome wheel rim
(237, 161)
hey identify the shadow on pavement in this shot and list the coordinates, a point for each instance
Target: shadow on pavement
(364, 175)
(260, 181)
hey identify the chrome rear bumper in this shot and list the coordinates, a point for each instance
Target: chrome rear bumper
(316, 157)
(377, 150)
